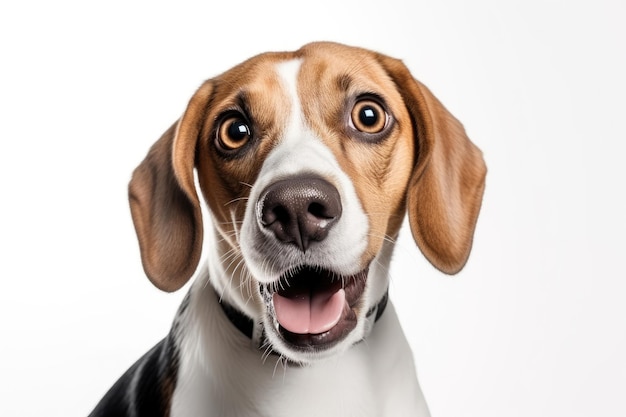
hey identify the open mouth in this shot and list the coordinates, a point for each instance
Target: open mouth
(314, 308)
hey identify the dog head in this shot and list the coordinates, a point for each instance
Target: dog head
(308, 162)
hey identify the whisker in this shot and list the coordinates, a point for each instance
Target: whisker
(267, 352)
(233, 217)
(228, 222)
(383, 236)
(236, 200)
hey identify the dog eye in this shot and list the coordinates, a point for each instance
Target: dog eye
(368, 116)
(233, 133)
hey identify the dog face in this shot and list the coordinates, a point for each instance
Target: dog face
(308, 162)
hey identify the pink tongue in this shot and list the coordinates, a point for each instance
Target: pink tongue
(308, 313)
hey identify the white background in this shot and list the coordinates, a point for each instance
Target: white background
(534, 326)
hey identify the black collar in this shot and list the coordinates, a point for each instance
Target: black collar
(246, 325)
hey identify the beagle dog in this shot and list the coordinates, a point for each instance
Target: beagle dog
(306, 163)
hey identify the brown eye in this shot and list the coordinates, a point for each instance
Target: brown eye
(233, 133)
(368, 116)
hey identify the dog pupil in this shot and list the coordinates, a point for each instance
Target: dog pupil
(368, 116)
(238, 130)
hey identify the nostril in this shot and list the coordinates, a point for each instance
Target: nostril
(275, 214)
(281, 214)
(319, 210)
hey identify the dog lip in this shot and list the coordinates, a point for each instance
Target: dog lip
(306, 277)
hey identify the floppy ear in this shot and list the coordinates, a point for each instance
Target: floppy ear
(164, 204)
(446, 186)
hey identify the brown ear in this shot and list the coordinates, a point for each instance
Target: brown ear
(446, 187)
(164, 203)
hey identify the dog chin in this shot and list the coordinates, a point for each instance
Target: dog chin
(313, 312)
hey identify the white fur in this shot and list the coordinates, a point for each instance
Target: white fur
(223, 374)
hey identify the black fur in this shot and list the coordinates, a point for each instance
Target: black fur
(146, 388)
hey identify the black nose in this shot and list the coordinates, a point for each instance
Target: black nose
(300, 210)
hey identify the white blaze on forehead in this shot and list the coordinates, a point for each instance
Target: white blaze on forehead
(288, 73)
